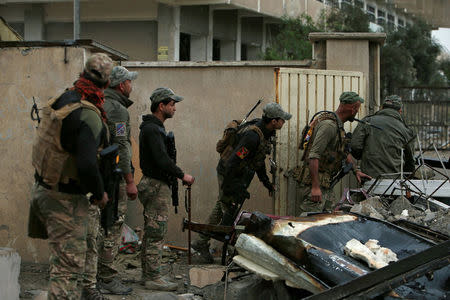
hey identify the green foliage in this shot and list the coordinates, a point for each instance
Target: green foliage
(409, 58)
(347, 19)
(291, 42)
(444, 67)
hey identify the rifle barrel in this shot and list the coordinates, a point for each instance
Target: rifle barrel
(367, 123)
(251, 110)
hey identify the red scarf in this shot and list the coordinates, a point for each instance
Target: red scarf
(90, 92)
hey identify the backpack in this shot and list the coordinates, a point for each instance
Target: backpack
(309, 128)
(226, 144)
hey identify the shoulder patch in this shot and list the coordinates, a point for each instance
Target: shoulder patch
(121, 129)
(242, 152)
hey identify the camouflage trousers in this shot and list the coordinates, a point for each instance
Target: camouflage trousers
(109, 245)
(90, 272)
(101, 249)
(224, 210)
(66, 220)
(154, 196)
(304, 204)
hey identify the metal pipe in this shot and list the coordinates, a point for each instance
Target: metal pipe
(76, 19)
(421, 169)
(187, 196)
(401, 177)
(440, 159)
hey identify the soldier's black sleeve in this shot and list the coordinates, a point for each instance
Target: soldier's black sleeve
(84, 146)
(87, 165)
(155, 140)
(262, 175)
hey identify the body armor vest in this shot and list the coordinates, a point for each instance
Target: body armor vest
(330, 162)
(257, 160)
(50, 160)
(264, 148)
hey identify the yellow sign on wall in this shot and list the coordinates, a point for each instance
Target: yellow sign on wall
(163, 53)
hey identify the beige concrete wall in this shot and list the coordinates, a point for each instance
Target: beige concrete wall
(349, 55)
(41, 73)
(213, 97)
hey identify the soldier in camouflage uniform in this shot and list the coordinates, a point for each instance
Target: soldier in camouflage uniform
(379, 152)
(323, 156)
(103, 249)
(236, 168)
(154, 191)
(64, 156)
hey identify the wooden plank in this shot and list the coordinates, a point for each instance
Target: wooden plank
(304, 113)
(320, 92)
(354, 85)
(282, 153)
(337, 91)
(329, 92)
(292, 142)
(346, 83)
(312, 94)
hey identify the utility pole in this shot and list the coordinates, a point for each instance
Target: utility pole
(76, 19)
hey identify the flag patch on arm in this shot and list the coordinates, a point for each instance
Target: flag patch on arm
(121, 129)
(242, 153)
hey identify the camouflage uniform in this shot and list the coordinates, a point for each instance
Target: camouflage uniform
(109, 245)
(116, 106)
(90, 272)
(380, 151)
(239, 161)
(325, 140)
(159, 170)
(68, 137)
(155, 196)
(66, 218)
(325, 136)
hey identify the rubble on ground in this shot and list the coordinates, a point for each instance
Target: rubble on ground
(402, 209)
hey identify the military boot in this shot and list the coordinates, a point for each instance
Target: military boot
(203, 256)
(160, 284)
(92, 294)
(113, 287)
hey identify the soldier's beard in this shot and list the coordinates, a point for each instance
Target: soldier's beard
(168, 115)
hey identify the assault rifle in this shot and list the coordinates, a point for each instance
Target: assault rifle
(250, 112)
(346, 167)
(172, 151)
(111, 174)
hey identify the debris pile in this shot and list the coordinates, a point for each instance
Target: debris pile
(373, 254)
(402, 209)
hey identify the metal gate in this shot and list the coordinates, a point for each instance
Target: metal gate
(303, 92)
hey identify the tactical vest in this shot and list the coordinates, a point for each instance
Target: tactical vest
(51, 162)
(330, 161)
(258, 160)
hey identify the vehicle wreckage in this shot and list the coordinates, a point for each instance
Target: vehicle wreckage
(323, 254)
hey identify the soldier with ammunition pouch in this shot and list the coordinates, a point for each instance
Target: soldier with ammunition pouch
(324, 144)
(71, 133)
(242, 154)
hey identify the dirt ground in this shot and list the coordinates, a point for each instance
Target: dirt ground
(33, 277)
